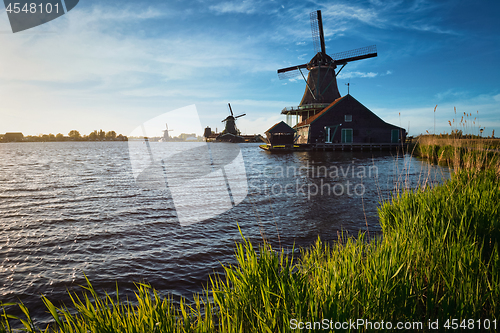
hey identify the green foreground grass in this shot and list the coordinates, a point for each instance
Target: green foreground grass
(438, 259)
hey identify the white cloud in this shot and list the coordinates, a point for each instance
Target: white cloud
(337, 12)
(96, 67)
(348, 75)
(450, 93)
(303, 56)
(421, 119)
(83, 50)
(384, 15)
(243, 7)
(425, 27)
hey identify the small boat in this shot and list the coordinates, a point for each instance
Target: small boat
(285, 148)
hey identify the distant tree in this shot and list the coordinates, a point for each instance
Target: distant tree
(74, 134)
(102, 135)
(93, 136)
(111, 135)
(59, 137)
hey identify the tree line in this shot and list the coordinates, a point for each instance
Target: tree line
(75, 135)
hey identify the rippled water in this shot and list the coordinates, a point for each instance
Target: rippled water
(72, 208)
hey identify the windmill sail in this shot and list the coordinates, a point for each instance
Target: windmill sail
(321, 82)
(317, 32)
(356, 54)
(292, 72)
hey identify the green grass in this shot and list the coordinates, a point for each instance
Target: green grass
(455, 155)
(438, 259)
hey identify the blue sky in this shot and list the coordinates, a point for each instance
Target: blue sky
(117, 64)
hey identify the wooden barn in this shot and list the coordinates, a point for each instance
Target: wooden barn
(346, 120)
(280, 134)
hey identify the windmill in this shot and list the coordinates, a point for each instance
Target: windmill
(231, 122)
(166, 137)
(231, 133)
(321, 84)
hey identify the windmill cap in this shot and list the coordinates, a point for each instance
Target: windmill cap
(320, 59)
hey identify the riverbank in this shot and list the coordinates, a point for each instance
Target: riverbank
(457, 152)
(438, 260)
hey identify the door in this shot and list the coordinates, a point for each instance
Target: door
(330, 132)
(347, 135)
(394, 136)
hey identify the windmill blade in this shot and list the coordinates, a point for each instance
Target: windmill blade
(290, 72)
(241, 115)
(230, 109)
(356, 54)
(317, 32)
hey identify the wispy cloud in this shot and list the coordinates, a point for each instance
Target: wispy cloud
(482, 107)
(426, 27)
(243, 7)
(450, 93)
(385, 15)
(82, 51)
(339, 14)
(349, 75)
(97, 64)
(303, 56)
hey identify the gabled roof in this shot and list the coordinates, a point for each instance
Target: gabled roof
(280, 127)
(312, 119)
(317, 115)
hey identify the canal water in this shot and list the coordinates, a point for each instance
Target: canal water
(168, 213)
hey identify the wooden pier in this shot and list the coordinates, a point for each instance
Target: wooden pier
(357, 146)
(335, 147)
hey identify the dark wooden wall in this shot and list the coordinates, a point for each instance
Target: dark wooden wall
(367, 127)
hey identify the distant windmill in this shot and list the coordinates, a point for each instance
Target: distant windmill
(321, 83)
(231, 122)
(166, 137)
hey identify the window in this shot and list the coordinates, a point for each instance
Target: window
(347, 135)
(348, 118)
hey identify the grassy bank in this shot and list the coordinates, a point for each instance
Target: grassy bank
(438, 259)
(458, 152)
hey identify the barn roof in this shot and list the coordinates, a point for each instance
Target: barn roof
(280, 127)
(312, 119)
(317, 115)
